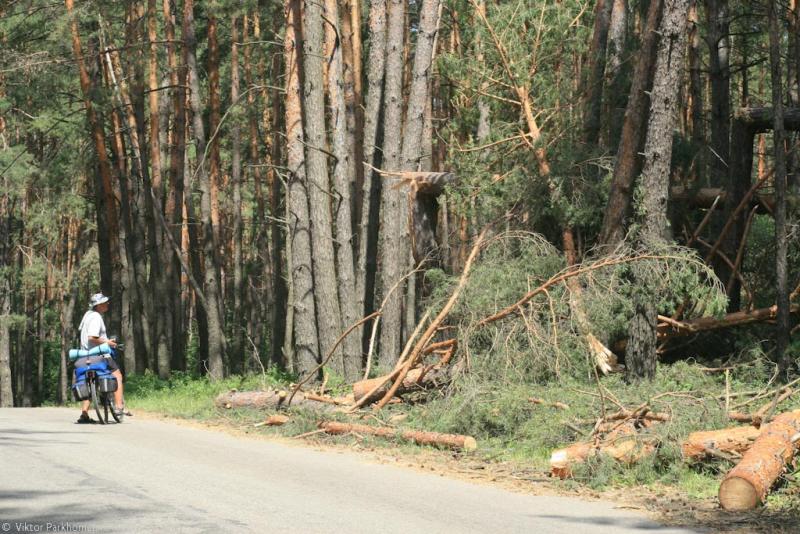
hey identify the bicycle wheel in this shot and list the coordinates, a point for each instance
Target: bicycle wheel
(96, 401)
(113, 405)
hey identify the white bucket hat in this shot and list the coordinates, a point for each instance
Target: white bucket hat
(97, 298)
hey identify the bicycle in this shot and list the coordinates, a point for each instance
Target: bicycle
(101, 391)
(94, 382)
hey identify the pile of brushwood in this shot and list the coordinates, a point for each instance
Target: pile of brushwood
(514, 353)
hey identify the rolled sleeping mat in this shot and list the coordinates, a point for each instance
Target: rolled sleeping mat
(99, 350)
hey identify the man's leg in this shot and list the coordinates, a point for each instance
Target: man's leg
(118, 393)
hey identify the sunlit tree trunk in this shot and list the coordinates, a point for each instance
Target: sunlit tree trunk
(394, 204)
(303, 326)
(343, 179)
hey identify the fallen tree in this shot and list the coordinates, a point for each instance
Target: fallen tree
(451, 441)
(747, 484)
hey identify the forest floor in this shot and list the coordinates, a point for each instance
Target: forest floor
(664, 488)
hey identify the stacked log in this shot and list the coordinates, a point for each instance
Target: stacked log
(747, 485)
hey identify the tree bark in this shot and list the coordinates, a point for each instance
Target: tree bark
(108, 233)
(594, 83)
(394, 206)
(319, 190)
(304, 332)
(237, 356)
(344, 175)
(640, 355)
(6, 391)
(717, 15)
(614, 77)
(216, 322)
(634, 127)
(781, 240)
(370, 194)
(162, 322)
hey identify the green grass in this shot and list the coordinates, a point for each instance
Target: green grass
(185, 396)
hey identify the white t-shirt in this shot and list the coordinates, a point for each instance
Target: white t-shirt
(92, 325)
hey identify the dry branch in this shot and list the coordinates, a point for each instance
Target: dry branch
(451, 441)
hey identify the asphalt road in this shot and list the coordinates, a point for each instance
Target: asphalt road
(155, 476)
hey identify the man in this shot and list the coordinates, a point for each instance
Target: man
(93, 333)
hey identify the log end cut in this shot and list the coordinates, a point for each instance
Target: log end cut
(470, 444)
(737, 494)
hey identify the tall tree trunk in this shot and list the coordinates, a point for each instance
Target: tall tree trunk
(781, 241)
(343, 178)
(717, 14)
(614, 77)
(216, 321)
(634, 127)
(597, 58)
(108, 233)
(319, 190)
(640, 355)
(697, 118)
(213, 124)
(304, 326)
(370, 199)
(162, 321)
(6, 391)
(394, 205)
(237, 359)
(175, 204)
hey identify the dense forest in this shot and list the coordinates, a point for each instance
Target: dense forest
(562, 186)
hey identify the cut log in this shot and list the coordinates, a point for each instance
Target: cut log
(271, 400)
(450, 441)
(622, 444)
(701, 445)
(562, 460)
(747, 484)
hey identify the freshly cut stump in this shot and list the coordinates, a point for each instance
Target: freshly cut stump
(746, 485)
